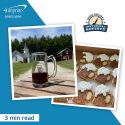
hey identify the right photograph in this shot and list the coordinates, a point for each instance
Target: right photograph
(97, 78)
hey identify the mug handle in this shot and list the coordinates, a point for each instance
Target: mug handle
(51, 57)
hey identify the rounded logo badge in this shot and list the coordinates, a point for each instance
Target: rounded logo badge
(95, 22)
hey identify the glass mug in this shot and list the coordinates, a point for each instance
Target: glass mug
(40, 73)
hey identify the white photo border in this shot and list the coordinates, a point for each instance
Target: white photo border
(11, 62)
(118, 80)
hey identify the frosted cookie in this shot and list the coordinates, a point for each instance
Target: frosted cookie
(87, 71)
(61, 100)
(87, 57)
(103, 96)
(114, 75)
(114, 61)
(103, 75)
(85, 93)
(101, 60)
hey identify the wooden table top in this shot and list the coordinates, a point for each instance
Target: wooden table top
(56, 86)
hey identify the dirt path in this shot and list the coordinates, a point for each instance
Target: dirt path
(62, 73)
(65, 73)
(23, 76)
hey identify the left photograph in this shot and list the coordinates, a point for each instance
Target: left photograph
(42, 61)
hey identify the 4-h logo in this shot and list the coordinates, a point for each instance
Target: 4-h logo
(95, 22)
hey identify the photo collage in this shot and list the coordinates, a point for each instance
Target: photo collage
(46, 62)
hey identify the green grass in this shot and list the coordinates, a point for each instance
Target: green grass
(66, 64)
(20, 68)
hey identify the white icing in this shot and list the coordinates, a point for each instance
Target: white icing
(114, 57)
(114, 73)
(88, 56)
(84, 86)
(103, 70)
(103, 57)
(90, 67)
(101, 89)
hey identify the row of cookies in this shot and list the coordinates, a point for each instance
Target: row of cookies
(100, 75)
(101, 96)
(100, 60)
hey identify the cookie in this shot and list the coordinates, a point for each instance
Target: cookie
(114, 61)
(87, 71)
(103, 75)
(87, 57)
(101, 60)
(103, 97)
(60, 100)
(103, 101)
(85, 93)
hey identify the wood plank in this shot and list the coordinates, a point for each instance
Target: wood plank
(18, 95)
(53, 88)
(56, 86)
(57, 82)
(30, 92)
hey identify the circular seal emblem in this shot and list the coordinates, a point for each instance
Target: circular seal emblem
(95, 22)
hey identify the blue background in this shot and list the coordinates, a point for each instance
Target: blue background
(49, 114)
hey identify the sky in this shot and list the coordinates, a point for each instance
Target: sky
(51, 31)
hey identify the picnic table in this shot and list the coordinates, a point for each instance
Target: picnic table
(62, 84)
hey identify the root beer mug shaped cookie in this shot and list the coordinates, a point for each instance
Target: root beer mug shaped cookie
(40, 73)
(103, 96)
(114, 61)
(85, 93)
(103, 75)
(87, 71)
(87, 57)
(101, 60)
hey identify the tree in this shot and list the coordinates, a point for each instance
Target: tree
(44, 44)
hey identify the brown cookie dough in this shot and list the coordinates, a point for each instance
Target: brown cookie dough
(101, 60)
(113, 64)
(103, 78)
(114, 61)
(84, 74)
(60, 100)
(100, 63)
(103, 75)
(87, 71)
(104, 101)
(83, 97)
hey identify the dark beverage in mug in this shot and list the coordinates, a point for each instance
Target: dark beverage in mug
(40, 73)
(40, 78)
